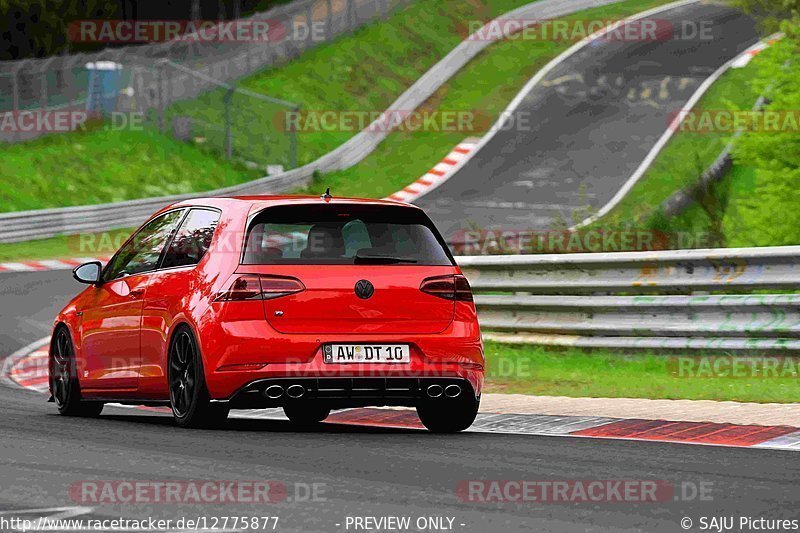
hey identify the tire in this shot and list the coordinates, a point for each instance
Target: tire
(449, 416)
(306, 414)
(188, 395)
(64, 378)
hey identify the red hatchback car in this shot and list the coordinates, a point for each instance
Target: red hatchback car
(305, 303)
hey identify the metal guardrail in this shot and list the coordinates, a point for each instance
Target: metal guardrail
(643, 299)
(39, 224)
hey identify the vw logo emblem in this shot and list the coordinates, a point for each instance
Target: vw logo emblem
(364, 289)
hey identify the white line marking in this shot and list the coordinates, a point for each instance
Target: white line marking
(54, 264)
(18, 267)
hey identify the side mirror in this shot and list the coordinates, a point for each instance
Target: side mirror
(88, 272)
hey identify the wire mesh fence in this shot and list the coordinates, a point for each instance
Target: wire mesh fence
(239, 123)
(187, 85)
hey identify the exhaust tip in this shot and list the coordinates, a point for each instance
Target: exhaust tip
(295, 391)
(434, 391)
(451, 391)
(273, 392)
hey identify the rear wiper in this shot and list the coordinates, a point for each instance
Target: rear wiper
(381, 259)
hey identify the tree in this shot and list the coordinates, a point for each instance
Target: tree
(769, 12)
(37, 28)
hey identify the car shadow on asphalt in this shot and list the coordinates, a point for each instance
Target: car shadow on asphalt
(263, 425)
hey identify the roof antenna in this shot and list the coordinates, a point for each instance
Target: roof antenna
(327, 196)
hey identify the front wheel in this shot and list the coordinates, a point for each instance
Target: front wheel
(305, 414)
(188, 396)
(64, 379)
(448, 416)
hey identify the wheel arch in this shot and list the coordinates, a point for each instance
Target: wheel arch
(57, 327)
(178, 325)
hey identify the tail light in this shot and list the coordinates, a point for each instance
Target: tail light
(448, 287)
(254, 287)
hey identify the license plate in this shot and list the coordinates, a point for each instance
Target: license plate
(366, 353)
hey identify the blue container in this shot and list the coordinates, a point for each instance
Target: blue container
(104, 81)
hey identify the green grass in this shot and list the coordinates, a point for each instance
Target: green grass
(529, 369)
(740, 189)
(736, 189)
(688, 154)
(101, 165)
(486, 86)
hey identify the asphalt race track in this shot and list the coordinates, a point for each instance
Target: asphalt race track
(585, 128)
(361, 471)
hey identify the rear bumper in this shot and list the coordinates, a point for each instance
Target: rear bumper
(338, 393)
(240, 354)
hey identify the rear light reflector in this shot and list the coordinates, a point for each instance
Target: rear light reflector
(242, 287)
(463, 290)
(254, 287)
(448, 287)
(275, 287)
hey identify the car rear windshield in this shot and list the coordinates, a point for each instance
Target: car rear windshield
(344, 234)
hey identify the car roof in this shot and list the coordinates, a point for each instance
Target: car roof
(258, 202)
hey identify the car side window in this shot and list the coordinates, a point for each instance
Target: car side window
(192, 239)
(141, 254)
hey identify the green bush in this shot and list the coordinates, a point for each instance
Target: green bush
(770, 216)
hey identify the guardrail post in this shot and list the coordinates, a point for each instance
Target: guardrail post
(329, 20)
(351, 15)
(228, 129)
(15, 98)
(293, 143)
(15, 87)
(161, 94)
(309, 25)
(43, 84)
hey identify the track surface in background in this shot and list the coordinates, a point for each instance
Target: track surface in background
(588, 125)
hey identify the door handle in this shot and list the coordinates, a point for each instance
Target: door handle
(136, 293)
